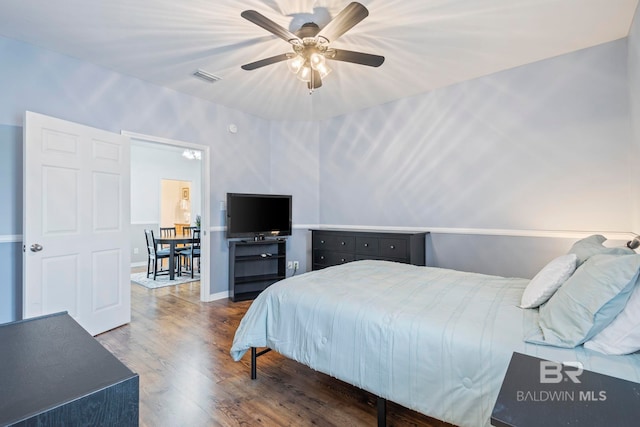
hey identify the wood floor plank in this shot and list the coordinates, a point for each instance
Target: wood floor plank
(180, 348)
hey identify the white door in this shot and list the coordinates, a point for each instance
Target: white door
(76, 223)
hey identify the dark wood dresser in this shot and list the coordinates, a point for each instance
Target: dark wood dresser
(332, 247)
(54, 373)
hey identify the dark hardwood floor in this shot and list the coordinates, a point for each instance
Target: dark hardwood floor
(180, 348)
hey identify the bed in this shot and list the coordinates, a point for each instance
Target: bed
(434, 340)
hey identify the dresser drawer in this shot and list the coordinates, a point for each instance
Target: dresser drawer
(326, 258)
(331, 242)
(367, 245)
(393, 248)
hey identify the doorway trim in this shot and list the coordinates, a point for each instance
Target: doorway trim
(205, 176)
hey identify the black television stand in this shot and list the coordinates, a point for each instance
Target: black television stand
(254, 265)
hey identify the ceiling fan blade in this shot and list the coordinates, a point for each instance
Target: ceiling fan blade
(344, 21)
(266, 61)
(316, 80)
(266, 23)
(356, 57)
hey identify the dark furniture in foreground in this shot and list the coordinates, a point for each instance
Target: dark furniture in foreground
(54, 373)
(255, 265)
(533, 396)
(333, 247)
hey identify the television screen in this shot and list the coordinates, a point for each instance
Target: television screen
(258, 215)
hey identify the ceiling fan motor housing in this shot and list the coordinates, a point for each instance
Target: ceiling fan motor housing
(309, 29)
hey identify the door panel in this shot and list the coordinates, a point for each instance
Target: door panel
(107, 194)
(106, 267)
(60, 208)
(59, 287)
(76, 217)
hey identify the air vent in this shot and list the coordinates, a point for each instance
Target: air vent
(207, 76)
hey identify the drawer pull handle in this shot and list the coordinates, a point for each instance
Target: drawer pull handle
(342, 243)
(392, 247)
(322, 257)
(342, 260)
(366, 245)
(322, 241)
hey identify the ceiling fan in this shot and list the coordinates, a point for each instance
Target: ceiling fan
(311, 45)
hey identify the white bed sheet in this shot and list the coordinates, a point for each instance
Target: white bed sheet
(434, 340)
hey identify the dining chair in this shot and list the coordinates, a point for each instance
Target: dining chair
(191, 253)
(155, 255)
(167, 232)
(188, 231)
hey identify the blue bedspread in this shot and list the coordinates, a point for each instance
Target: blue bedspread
(434, 340)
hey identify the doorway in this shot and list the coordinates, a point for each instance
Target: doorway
(159, 167)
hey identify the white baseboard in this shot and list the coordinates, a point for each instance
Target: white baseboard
(218, 296)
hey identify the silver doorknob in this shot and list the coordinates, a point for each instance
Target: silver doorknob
(36, 247)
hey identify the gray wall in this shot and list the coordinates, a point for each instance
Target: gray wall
(10, 223)
(138, 240)
(634, 97)
(295, 170)
(540, 147)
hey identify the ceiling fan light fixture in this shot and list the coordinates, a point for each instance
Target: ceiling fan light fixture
(316, 60)
(295, 64)
(324, 70)
(305, 73)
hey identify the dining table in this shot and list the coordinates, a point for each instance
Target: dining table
(173, 242)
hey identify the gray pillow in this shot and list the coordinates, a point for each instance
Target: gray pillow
(589, 300)
(592, 245)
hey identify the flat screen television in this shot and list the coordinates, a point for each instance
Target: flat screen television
(258, 215)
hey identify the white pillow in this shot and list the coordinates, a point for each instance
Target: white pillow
(622, 336)
(548, 280)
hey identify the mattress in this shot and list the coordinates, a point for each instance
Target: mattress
(435, 340)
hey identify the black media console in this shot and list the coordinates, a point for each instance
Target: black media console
(254, 265)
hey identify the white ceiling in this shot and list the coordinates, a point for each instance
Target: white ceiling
(427, 44)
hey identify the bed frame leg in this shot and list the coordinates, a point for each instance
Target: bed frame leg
(382, 412)
(254, 363)
(254, 356)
